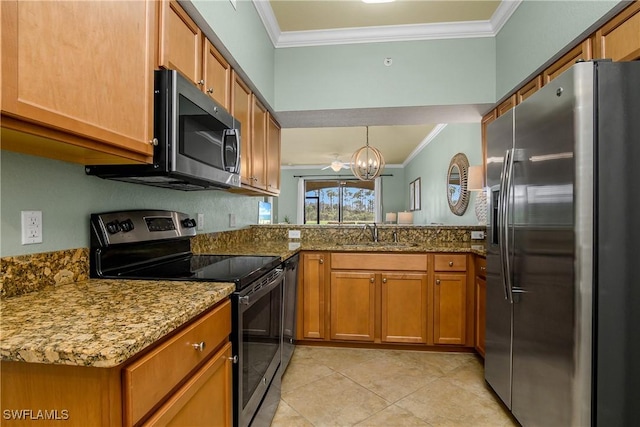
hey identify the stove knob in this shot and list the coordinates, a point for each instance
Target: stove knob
(127, 225)
(188, 223)
(113, 227)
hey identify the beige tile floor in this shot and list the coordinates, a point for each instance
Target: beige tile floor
(326, 386)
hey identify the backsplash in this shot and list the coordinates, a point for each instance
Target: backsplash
(334, 234)
(358, 233)
(27, 273)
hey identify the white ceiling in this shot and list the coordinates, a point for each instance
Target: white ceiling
(315, 138)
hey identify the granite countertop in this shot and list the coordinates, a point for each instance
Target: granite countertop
(286, 249)
(99, 323)
(102, 323)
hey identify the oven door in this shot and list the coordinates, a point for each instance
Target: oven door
(258, 341)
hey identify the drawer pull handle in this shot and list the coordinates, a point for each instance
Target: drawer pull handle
(200, 346)
(372, 279)
(234, 359)
(483, 268)
(321, 261)
(437, 281)
(384, 280)
(450, 263)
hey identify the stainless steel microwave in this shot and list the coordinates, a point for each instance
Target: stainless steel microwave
(197, 141)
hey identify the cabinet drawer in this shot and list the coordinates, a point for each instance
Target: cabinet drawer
(149, 379)
(481, 266)
(371, 261)
(450, 262)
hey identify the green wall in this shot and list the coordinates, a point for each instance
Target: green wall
(393, 197)
(431, 166)
(435, 72)
(243, 34)
(536, 32)
(66, 197)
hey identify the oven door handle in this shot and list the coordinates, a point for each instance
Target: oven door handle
(248, 300)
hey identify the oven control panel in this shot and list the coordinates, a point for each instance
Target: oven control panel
(139, 226)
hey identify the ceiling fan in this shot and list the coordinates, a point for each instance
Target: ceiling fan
(336, 165)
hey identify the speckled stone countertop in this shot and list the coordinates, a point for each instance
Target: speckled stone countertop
(99, 323)
(286, 249)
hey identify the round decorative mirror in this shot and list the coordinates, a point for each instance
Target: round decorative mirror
(457, 192)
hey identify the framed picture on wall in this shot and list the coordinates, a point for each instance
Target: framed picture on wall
(414, 195)
(412, 200)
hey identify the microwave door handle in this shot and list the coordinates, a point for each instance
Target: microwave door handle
(236, 133)
(226, 135)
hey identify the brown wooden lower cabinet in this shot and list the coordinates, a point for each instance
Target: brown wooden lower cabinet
(205, 400)
(311, 295)
(127, 394)
(450, 308)
(481, 309)
(404, 308)
(385, 298)
(353, 306)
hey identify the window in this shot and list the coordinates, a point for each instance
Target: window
(343, 201)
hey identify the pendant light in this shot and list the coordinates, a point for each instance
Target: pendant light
(367, 162)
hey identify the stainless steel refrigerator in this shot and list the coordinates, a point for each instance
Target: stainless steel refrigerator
(563, 250)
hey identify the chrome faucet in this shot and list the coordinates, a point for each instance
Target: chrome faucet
(374, 231)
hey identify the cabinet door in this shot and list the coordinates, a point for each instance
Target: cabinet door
(619, 39)
(404, 308)
(204, 400)
(85, 68)
(582, 51)
(529, 89)
(352, 306)
(273, 156)
(259, 145)
(450, 308)
(241, 110)
(506, 105)
(312, 296)
(216, 73)
(481, 310)
(180, 41)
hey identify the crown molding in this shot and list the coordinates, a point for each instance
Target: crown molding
(391, 33)
(436, 130)
(268, 18)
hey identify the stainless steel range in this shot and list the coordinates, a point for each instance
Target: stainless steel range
(155, 244)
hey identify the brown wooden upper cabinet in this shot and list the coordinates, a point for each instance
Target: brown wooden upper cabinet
(258, 144)
(273, 156)
(529, 89)
(241, 110)
(69, 76)
(582, 51)
(619, 39)
(183, 47)
(506, 105)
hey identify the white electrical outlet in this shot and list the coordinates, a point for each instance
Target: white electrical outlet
(31, 227)
(477, 235)
(294, 234)
(200, 221)
(232, 220)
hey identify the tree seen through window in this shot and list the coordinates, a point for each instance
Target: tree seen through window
(345, 201)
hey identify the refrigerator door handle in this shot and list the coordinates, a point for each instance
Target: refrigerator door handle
(501, 221)
(507, 205)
